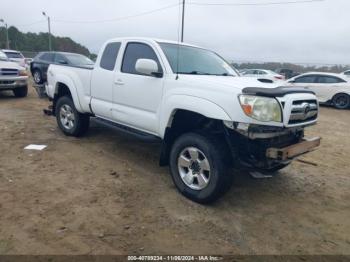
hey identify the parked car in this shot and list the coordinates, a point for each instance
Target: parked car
(208, 118)
(13, 77)
(263, 74)
(287, 73)
(346, 73)
(15, 56)
(41, 62)
(329, 88)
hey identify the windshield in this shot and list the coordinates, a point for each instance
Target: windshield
(13, 55)
(79, 60)
(197, 61)
(3, 57)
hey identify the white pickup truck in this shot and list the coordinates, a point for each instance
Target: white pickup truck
(208, 117)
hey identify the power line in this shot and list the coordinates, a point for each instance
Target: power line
(34, 23)
(256, 4)
(118, 18)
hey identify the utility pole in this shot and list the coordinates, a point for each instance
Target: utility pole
(183, 20)
(7, 34)
(49, 26)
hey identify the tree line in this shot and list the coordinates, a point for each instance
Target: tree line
(38, 42)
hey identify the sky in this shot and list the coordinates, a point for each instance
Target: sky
(312, 33)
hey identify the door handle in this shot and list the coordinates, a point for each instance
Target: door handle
(119, 82)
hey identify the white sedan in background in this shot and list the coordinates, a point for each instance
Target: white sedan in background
(329, 88)
(346, 73)
(263, 74)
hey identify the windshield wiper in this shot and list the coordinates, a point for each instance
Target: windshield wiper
(193, 73)
(203, 73)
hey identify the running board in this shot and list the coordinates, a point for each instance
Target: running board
(129, 130)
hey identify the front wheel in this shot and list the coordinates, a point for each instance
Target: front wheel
(21, 91)
(69, 120)
(37, 76)
(341, 101)
(198, 167)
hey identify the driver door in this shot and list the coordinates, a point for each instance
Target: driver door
(137, 97)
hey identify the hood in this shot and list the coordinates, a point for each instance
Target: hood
(226, 82)
(10, 65)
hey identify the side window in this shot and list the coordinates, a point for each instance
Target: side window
(347, 73)
(135, 51)
(329, 80)
(60, 59)
(109, 56)
(48, 57)
(306, 79)
(262, 73)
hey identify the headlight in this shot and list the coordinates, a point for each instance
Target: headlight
(261, 108)
(23, 73)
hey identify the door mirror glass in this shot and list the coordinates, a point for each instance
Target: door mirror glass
(62, 62)
(147, 67)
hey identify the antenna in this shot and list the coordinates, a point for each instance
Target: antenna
(178, 37)
(183, 20)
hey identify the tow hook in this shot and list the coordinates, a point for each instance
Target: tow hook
(48, 111)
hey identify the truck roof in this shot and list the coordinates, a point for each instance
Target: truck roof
(156, 40)
(10, 51)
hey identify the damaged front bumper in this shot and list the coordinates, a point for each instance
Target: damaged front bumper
(292, 151)
(267, 147)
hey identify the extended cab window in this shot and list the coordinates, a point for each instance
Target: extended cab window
(109, 56)
(135, 51)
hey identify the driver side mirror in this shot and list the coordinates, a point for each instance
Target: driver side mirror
(148, 67)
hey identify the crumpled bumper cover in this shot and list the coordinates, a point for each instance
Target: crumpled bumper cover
(292, 151)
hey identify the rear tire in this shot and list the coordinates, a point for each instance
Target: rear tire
(341, 101)
(201, 173)
(69, 120)
(21, 91)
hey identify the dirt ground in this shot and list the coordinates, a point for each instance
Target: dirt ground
(106, 194)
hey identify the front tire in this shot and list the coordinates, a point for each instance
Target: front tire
(21, 91)
(69, 120)
(341, 101)
(198, 167)
(37, 77)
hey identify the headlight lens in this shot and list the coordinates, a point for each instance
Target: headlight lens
(261, 108)
(23, 73)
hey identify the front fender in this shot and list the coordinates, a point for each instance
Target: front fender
(63, 79)
(194, 104)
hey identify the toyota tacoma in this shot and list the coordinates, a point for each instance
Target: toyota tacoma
(208, 118)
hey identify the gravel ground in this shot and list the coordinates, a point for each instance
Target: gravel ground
(106, 194)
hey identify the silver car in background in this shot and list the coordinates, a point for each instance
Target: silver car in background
(15, 56)
(13, 77)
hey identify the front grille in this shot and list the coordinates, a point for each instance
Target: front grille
(6, 82)
(8, 72)
(303, 111)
